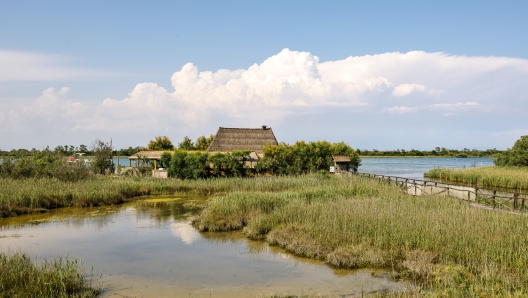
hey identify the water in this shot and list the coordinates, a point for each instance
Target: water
(415, 168)
(153, 251)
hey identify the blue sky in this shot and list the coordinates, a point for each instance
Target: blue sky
(375, 74)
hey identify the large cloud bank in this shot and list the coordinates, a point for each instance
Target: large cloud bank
(292, 84)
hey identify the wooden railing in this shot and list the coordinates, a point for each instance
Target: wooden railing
(512, 201)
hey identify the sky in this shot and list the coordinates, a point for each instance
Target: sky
(375, 74)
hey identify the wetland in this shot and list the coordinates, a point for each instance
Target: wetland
(148, 248)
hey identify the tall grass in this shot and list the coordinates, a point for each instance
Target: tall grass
(18, 196)
(21, 277)
(447, 246)
(505, 177)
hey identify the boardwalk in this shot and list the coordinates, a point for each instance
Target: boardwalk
(510, 201)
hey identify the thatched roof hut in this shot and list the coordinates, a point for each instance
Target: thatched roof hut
(341, 163)
(253, 139)
(149, 154)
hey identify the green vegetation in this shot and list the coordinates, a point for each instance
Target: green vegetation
(20, 196)
(510, 171)
(517, 156)
(437, 152)
(161, 143)
(302, 157)
(299, 158)
(504, 177)
(102, 158)
(201, 144)
(197, 165)
(21, 277)
(42, 164)
(448, 247)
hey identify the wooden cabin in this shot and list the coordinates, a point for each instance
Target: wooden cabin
(341, 163)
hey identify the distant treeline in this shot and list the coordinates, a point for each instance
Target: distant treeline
(68, 150)
(438, 151)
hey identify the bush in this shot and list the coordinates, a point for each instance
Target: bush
(43, 164)
(302, 157)
(517, 156)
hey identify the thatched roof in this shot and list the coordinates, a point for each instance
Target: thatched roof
(254, 139)
(341, 158)
(149, 154)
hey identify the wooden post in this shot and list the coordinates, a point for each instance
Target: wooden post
(515, 201)
(414, 183)
(494, 203)
(469, 193)
(522, 206)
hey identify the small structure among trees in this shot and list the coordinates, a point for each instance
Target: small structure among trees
(341, 163)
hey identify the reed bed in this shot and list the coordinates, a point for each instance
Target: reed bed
(19, 196)
(515, 178)
(21, 277)
(446, 246)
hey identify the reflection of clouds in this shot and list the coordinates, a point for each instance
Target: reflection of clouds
(185, 232)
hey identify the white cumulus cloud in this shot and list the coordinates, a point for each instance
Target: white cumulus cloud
(288, 85)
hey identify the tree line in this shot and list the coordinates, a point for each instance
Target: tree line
(438, 152)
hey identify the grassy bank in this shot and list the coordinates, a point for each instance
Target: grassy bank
(19, 196)
(21, 277)
(446, 246)
(515, 178)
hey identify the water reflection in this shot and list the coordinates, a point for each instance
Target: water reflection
(185, 232)
(148, 248)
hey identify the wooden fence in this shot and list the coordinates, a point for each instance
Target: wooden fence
(512, 201)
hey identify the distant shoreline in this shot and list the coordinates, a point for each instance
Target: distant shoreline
(369, 156)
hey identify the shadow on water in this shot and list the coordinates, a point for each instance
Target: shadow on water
(148, 248)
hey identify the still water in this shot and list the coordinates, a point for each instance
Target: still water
(144, 249)
(415, 168)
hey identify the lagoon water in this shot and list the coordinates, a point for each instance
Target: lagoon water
(415, 168)
(151, 250)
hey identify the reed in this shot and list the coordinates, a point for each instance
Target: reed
(446, 246)
(515, 178)
(19, 196)
(21, 277)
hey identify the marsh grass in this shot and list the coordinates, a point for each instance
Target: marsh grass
(515, 178)
(21, 277)
(20, 196)
(442, 244)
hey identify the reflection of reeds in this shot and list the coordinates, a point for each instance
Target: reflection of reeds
(21, 277)
(353, 222)
(503, 177)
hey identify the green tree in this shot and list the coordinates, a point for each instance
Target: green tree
(161, 143)
(186, 144)
(177, 164)
(102, 161)
(165, 159)
(203, 142)
(517, 156)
